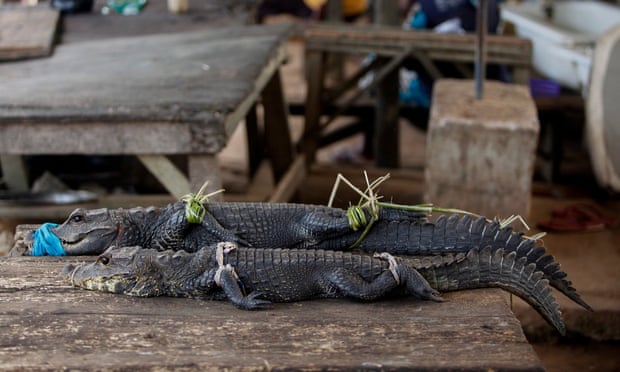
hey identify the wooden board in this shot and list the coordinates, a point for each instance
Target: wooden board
(26, 31)
(47, 324)
(156, 94)
(390, 41)
(155, 18)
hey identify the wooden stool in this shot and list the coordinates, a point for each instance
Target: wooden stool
(480, 153)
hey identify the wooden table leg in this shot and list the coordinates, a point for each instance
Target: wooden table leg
(255, 141)
(386, 139)
(167, 174)
(14, 172)
(277, 132)
(387, 110)
(314, 76)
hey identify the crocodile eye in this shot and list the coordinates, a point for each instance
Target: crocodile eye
(77, 218)
(104, 260)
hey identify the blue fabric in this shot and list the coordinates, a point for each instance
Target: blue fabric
(415, 94)
(419, 21)
(46, 243)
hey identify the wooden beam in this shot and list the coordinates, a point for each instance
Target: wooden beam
(14, 172)
(386, 40)
(289, 184)
(277, 132)
(167, 174)
(315, 73)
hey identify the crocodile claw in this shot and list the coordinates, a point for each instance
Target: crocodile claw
(417, 285)
(253, 302)
(431, 295)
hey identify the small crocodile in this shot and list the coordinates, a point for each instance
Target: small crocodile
(90, 232)
(264, 225)
(252, 278)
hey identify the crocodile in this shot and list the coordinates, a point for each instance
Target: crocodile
(253, 278)
(264, 225)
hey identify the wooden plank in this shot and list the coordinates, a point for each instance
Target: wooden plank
(155, 18)
(255, 141)
(47, 324)
(278, 137)
(290, 182)
(384, 40)
(315, 74)
(42, 213)
(183, 92)
(260, 188)
(14, 173)
(167, 174)
(262, 81)
(385, 137)
(27, 31)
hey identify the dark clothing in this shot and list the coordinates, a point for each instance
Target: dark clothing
(438, 11)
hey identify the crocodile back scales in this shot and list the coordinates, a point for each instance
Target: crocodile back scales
(281, 273)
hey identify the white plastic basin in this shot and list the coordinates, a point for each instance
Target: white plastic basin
(562, 44)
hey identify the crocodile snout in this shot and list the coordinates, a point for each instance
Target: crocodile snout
(68, 270)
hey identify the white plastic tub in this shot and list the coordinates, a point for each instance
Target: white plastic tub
(563, 43)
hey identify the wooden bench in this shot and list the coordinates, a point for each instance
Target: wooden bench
(392, 46)
(150, 96)
(47, 324)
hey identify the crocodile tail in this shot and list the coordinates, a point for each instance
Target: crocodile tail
(486, 267)
(482, 233)
(551, 269)
(460, 233)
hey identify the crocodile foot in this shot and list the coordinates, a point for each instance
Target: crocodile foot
(414, 281)
(227, 279)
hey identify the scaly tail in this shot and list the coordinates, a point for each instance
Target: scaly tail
(460, 233)
(488, 267)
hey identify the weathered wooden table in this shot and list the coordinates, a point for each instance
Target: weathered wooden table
(149, 96)
(47, 324)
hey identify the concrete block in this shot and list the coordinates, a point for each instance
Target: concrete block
(480, 153)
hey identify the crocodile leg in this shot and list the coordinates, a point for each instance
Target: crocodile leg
(410, 278)
(171, 231)
(229, 282)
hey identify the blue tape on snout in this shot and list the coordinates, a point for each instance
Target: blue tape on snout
(46, 243)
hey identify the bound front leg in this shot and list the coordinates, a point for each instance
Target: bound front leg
(228, 280)
(170, 229)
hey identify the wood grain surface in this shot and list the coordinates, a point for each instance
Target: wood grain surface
(47, 324)
(27, 31)
(174, 90)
